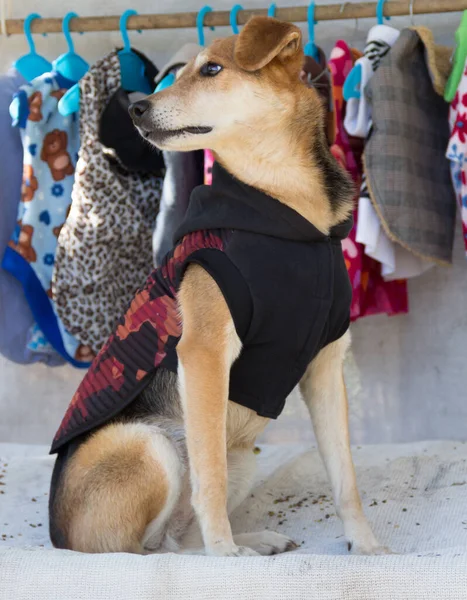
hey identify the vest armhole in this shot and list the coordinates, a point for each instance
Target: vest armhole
(231, 283)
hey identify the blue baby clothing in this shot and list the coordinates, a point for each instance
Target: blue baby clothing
(17, 325)
(50, 146)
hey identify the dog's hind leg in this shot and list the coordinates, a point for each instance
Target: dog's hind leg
(324, 392)
(119, 490)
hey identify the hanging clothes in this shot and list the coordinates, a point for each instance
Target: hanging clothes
(396, 261)
(380, 39)
(371, 294)
(315, 74)
(184, 171)
(457, 149)
(208, 166)
(16, 319)
(104, 250)
(407, 172)
(50, 143)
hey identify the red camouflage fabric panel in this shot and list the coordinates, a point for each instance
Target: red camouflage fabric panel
(149, 329)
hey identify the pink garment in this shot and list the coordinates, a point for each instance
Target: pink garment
(457, 149)
(208, 162)
(371, 294)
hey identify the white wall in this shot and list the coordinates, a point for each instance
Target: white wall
(407, 375)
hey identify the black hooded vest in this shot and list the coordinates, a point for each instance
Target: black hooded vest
(286, 285)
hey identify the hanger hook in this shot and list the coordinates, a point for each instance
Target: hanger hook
(66, 30)
(412, 22)
(380, 12)
(272, 10)
(341, 10)
(200, 23)
(27, 31)
(310, 47)
(311, 22)
(123, 28)
(233, 17)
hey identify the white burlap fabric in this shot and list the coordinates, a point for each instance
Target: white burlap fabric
(415, 496)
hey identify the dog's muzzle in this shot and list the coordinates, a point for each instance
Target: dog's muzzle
(141, 115)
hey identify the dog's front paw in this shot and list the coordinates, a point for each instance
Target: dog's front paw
(270, 542)
(361, 540)
(266, 542)
(243, 551)
(369, 549)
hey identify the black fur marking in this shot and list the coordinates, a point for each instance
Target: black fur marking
(159, 398)
(338, 184)
(57, 534)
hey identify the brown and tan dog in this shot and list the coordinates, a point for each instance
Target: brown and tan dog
(167, 481)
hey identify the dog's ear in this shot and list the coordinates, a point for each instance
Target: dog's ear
(263, 39)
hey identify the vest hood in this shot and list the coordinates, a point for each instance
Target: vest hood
(231, 204)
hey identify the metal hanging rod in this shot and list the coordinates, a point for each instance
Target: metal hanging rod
(330, 12)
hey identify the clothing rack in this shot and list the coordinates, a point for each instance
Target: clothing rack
(330, 12)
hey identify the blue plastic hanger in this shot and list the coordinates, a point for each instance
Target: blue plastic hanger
(272, 10)
(131, 66)
(310, 47)
(70, 64)
(69, 102)
(352, 83)
(458, 60)
(200, 24)
(233, 18)
(131, 69)
(353, 80)
(169, 79)
(380, 12)
(165, 82)
(31, 65)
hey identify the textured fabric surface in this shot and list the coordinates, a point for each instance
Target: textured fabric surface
(103, 255)
(414, 201)
(414, 496)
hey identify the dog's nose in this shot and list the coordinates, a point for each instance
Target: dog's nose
(137, 109)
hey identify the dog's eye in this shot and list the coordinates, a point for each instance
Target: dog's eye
(210, 69)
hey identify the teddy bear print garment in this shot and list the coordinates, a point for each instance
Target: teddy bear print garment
(50, 145)
(104, 250)
(16, 320)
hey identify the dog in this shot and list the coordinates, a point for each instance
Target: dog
(164, 471)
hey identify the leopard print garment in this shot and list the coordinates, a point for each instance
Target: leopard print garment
(104, 250)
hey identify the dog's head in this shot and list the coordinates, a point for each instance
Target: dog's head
(237, 85)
